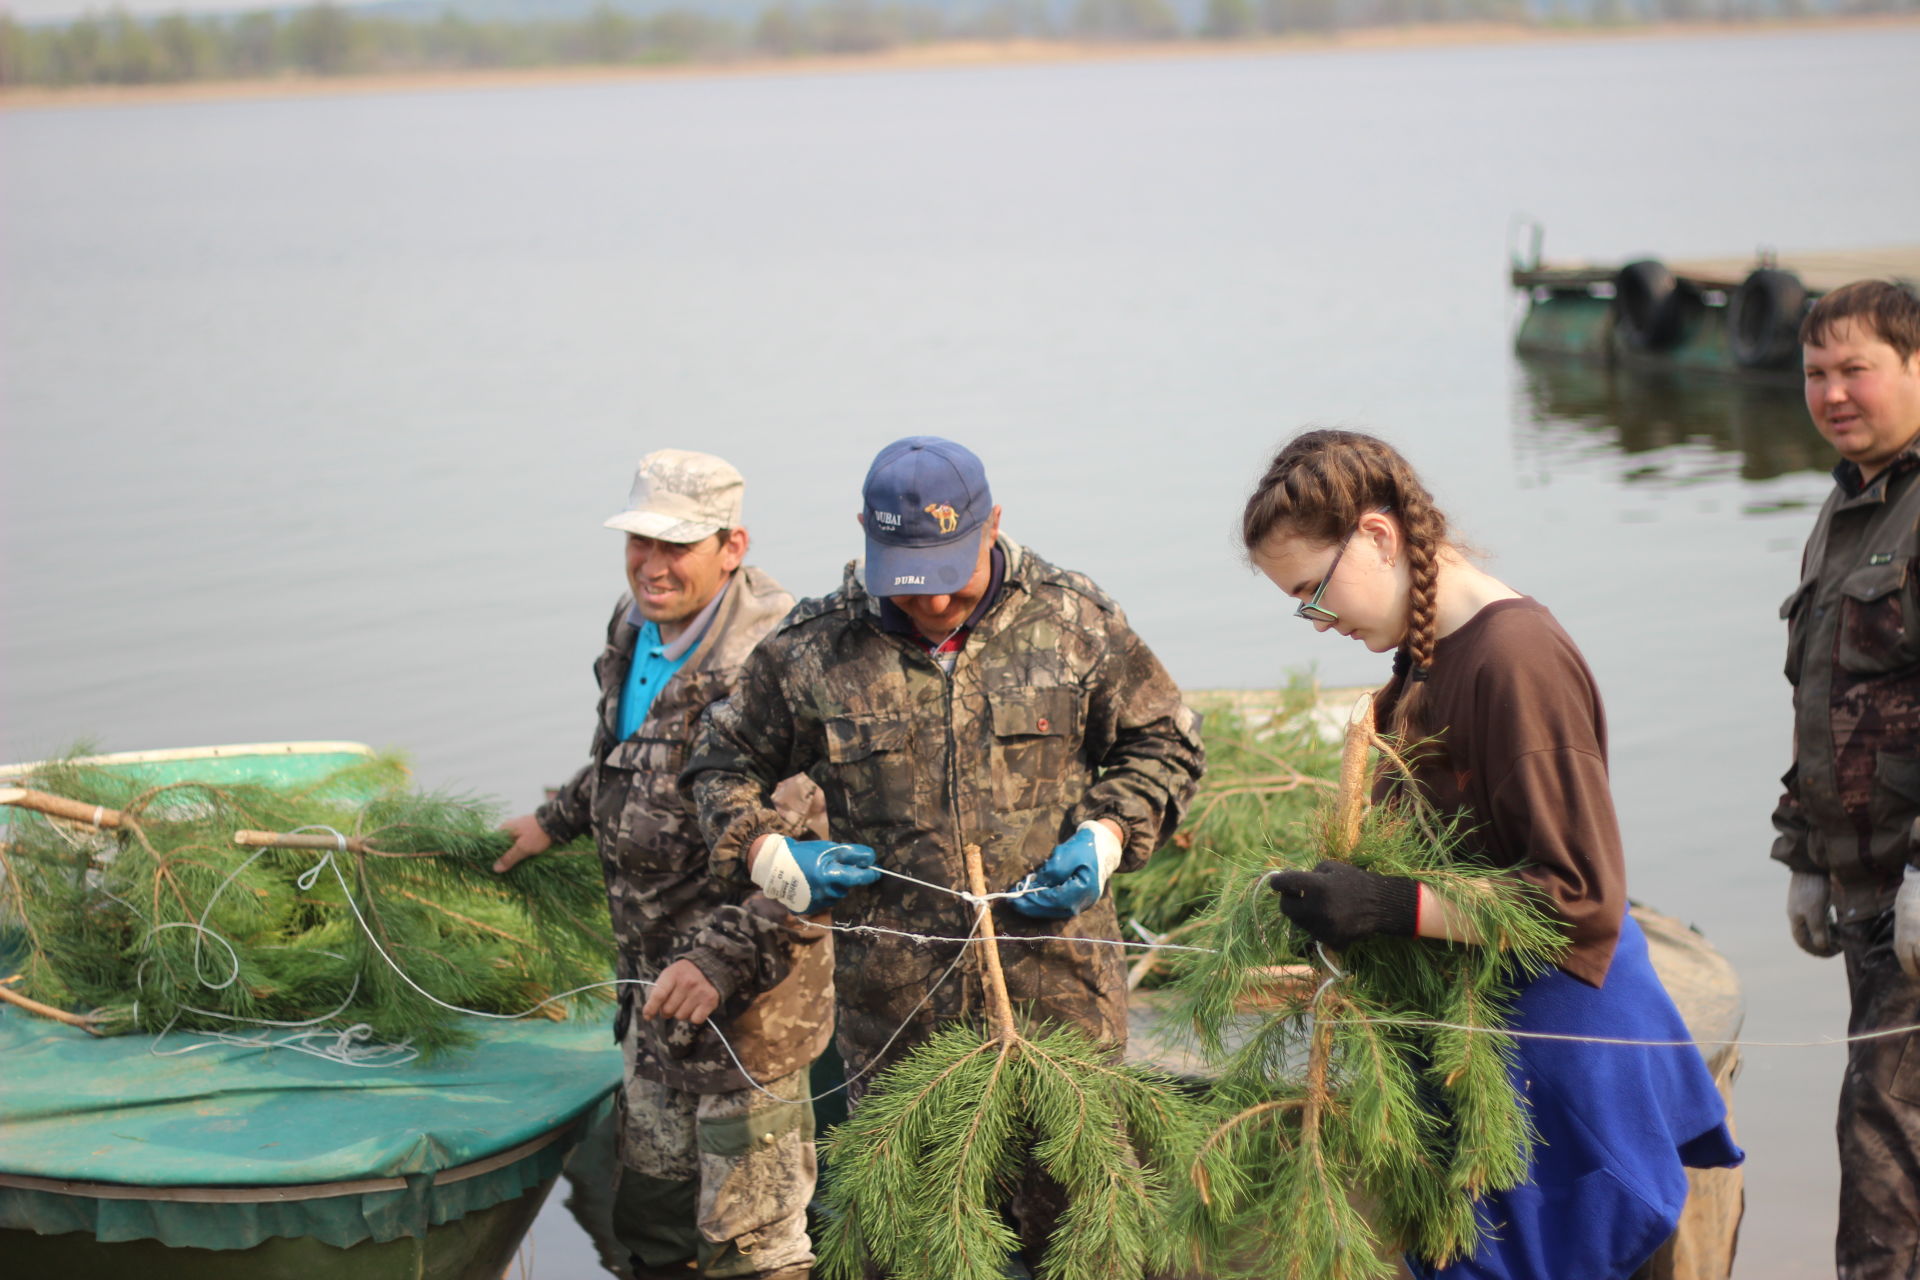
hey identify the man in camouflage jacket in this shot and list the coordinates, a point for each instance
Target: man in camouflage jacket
(1848, 819)
(712, 1170)
(961, 691)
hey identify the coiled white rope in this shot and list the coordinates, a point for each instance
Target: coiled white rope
(353, 1045)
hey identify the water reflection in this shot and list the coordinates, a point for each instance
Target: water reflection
(1670, 428)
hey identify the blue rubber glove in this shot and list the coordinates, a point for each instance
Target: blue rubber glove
(1073, 877)
(806, 876)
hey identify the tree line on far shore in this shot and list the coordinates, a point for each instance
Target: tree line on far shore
(327, 39)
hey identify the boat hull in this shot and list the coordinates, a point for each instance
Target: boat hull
(477, 1246)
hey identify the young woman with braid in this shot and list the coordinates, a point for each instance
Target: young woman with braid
(1514, 743)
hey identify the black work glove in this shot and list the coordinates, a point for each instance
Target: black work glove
(1338, 904)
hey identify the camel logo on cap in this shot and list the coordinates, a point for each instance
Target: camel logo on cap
(949, 518)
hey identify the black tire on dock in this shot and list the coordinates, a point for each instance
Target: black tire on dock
(1763, 319)
(1654, 307)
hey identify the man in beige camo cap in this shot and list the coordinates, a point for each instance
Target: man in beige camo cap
(715, 1169)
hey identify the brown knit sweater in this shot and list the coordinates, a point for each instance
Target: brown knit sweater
(1521, 755)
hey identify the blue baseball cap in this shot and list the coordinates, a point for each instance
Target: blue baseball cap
(926, 500)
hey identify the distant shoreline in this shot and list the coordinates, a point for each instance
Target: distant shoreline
(935, 56)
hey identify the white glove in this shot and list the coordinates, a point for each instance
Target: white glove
(1906, 925)
(1808, 897)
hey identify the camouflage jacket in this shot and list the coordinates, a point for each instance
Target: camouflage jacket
(774, 977)
(1055, 712)
(1853, 657)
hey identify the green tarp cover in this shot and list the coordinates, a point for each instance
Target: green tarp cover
(286, 764)
(113, 1110)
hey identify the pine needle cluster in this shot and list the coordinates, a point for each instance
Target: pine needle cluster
(1362, 1111)
(917, 1177)
(165, 923)
(1268, 769)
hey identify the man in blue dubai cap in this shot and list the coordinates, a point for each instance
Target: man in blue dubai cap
(956, 689)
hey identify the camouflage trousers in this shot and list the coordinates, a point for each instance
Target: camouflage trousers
(1879, 1127)
(719, 1179)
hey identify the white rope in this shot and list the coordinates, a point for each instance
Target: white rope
(964, 895)
(1334, 974)
(1828, 1042)
(1004, 937)
(113, 897)
(269, 1022)
(872, 1062)
(200, 929)
(1435, 1024)
(327, 860)
(312, 875)
(352, 1046)
(351, 1049)
(978, 900)
(75, 835)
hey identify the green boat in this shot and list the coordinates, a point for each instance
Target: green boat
(192, 1155)
(1732, 316)
(184, 1156)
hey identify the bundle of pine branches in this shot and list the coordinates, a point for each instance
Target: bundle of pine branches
(917, 1177)
(1364, 1099)
(157, 919)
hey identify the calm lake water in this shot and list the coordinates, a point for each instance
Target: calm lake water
(312, 409)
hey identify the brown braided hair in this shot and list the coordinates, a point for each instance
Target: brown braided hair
(1317, 488)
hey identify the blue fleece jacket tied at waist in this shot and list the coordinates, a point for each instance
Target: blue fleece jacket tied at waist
(1618, 1126)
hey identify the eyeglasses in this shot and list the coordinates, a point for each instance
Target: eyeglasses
(1312, 610)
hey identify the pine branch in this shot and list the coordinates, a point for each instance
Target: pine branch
(917, 1175)
(146, 912)
(1265, 775)
(1342, 1092)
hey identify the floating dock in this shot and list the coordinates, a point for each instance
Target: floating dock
(1731, 315)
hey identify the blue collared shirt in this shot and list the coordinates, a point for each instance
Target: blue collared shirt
(655, 661)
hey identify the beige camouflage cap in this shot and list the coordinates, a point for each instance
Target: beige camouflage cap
(681, 496)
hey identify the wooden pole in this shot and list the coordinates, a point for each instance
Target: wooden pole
(1353, 777)
(999, 1004)
(92, 815)
(1352, 811)
(302, 840)
(86, 1024)
(355, 844)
